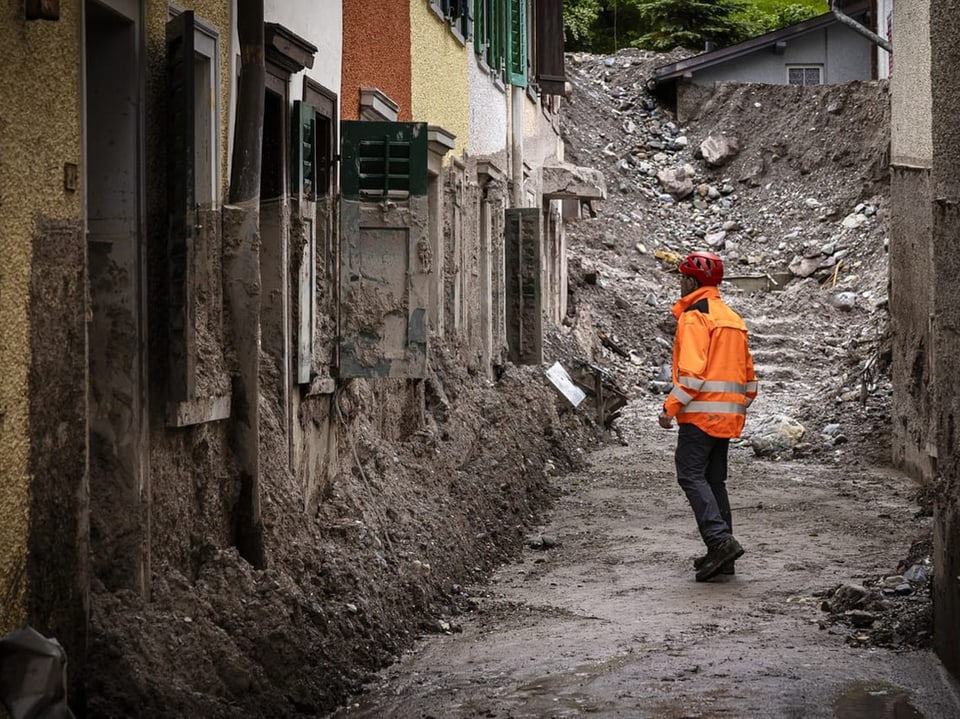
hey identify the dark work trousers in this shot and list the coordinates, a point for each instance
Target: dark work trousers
(702, 474)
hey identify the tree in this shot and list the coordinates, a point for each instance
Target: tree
(758, 21)
(689, 23)
(579, 17)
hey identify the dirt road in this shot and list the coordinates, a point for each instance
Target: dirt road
(610, 622)
(605, 618)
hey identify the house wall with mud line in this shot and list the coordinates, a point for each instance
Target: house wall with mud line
(42, 305)
(945, 241)
(925, 295)
(191, 481)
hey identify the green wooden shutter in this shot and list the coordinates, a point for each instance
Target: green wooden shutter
(480, 38)
(383, 160)
(304, 150)
(385, 262)
(498, 29)
(181, 206)
(517, 42)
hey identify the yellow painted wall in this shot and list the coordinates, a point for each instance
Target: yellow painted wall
(41, 129)
(440, 88)
(40, 117)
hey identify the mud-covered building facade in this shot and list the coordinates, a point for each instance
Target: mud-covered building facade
(924, 267)
(174, 350)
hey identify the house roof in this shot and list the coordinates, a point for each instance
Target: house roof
(714, 57)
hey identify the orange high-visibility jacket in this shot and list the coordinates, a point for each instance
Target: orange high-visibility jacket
(713, 377)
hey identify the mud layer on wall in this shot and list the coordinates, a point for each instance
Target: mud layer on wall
(57, 571)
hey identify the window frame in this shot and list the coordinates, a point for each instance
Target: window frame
(206, 45)
(458, 15)
(805, 68)
(490, 38)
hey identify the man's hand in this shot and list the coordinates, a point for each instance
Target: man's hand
(665, 420)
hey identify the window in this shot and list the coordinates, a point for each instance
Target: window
(500, 38)
(205, 110)
(458, 14)
(804, 74)
(194, 331)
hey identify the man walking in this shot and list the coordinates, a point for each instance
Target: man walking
(713, 384)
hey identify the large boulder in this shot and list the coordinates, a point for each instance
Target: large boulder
(717, 149)
(676, 182)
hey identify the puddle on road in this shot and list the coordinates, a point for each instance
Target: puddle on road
(875, 701)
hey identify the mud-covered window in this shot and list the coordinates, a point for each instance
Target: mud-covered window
(197, 386)
(205, 88)
(804, 74)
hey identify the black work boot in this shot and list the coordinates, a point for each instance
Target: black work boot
(728, 568)
(727, 551)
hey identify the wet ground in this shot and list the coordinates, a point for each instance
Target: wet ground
(609, 621)
(603, 616)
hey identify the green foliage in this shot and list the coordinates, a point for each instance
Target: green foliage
(688, 23)
(757, 19)
(608, 25)
(578, 18)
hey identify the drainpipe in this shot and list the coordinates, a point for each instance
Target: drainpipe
(857, 27)
(241, 278)
(516, 142)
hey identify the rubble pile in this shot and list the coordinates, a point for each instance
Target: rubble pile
(761, 175)
(790, 186)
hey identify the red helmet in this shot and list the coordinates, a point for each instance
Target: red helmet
(705, 267)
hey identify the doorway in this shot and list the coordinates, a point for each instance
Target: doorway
(113, 117)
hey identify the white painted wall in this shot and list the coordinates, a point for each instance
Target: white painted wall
(488, 112)
(319, 22)
(884, 30)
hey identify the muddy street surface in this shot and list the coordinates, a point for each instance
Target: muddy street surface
(603, 616)
(606, 619)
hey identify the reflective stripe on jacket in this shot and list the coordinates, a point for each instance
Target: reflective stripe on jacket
(713, 376)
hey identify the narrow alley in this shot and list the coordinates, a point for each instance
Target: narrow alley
(602, 617)
(288, 292)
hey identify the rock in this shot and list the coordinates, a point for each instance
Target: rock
(718, 149)
(917, 574)
(860, 618)
(775, 435)
(675, 182)
(848, 596)
(844, 301)
(715, 239)
(804, 266)
(854, 220)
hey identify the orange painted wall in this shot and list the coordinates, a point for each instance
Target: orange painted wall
(376, 53)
